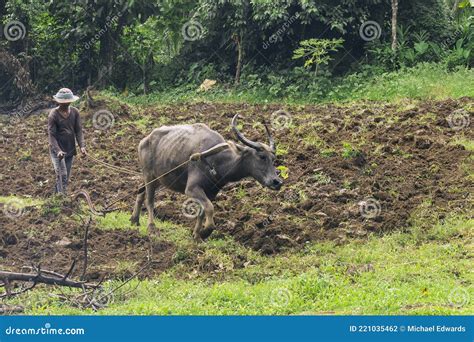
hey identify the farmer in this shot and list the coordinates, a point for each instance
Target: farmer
(64, 128)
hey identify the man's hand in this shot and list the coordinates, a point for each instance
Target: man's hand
(83, 151)
(61, 155)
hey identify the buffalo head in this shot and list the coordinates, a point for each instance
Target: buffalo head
(259, 158)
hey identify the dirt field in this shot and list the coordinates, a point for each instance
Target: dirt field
(338, 158)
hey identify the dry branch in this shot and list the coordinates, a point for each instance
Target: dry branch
(10, 309)
(43, 279)
(40, 277)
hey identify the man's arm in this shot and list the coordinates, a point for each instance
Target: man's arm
(78, 132)
(52, 131)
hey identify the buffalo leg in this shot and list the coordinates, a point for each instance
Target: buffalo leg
(150, 203)
(198, 194)
(198, 227)
(135, 219)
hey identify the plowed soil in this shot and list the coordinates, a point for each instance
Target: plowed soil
(351, 170)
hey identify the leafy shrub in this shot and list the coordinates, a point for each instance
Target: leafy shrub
(316, 51)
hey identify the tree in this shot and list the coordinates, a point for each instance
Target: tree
(149, 43)
(229, 21)
(2, 10)
(97, 25)
(394, 23)
(20, 75)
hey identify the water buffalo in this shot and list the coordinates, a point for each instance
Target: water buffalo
(201, 179)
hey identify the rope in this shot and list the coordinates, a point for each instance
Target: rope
(194, 157)
(144, 185)
(114, 167)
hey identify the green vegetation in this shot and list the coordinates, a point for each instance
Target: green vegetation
(53, 205)
(176, 234)
(316, 51)
(21, 202)
(422, 271)
(322, 178)
(468, 144)
(348, 151)
(424, 81)
(295, 50)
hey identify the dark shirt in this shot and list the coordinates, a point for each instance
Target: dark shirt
(63, 132)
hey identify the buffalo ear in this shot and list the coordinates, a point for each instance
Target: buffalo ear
(236, 147)
(243, 150)
(240, 148)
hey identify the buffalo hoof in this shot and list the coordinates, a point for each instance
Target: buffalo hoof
(197, 237)
(152, 230)
(205, 233)
(135, 221)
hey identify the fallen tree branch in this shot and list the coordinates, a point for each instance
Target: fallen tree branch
(51, 273)
(70, 270)
(10, 309)
(41, 277)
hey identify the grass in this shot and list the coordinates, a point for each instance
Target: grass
(414, 272)
(20, 202)
(463, 141)
(424, 81)
(177, 234)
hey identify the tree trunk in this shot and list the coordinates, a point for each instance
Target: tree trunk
(238, 40)
(147, 66)
(106, 58)
(455, 7)
(144, 79)
(394, 24)
(2, 12)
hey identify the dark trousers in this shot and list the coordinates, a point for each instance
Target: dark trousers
(62, 167)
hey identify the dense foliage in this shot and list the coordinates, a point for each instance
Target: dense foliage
(141, 46)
